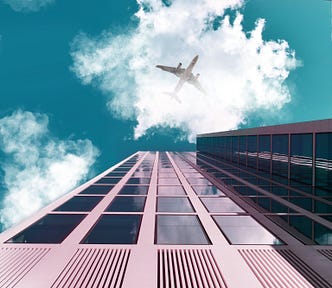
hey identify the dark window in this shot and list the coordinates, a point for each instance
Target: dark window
(174, 204)
(324, 161)
(138, 181)
(264, 158)
(115, 229)
(108, 180)
(245, 230)
(127, 204)
(280, 155)
(301, 158)
(80, 203)
(94, 189)
(134, 190)
(183, 230)
(52, 228)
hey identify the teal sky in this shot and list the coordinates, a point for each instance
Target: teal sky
(35, 74)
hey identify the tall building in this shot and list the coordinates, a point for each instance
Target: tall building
(250, 208)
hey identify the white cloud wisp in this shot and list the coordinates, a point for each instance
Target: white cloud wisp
(27, 5)
(38, 168)
(240, 71)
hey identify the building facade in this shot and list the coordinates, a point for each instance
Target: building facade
(210, 218)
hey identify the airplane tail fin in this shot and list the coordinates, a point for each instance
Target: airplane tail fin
(173, 96)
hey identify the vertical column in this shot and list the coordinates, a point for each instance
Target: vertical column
(142, 265)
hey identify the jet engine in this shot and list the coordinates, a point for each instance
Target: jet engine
(179, 66)
(197, 75)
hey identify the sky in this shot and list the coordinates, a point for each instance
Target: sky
(79, 90)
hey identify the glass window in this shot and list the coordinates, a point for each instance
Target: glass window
(115, 229)
(264, 150)
(108, 180)
(174, 204)
(170, 190)
(301, 158)
(221, 204)
(207, 190)
(280, 155)
(199, 181)
(167, 175)
(324, 161)
(127, 204)
(169, 181)
(245, 230)
(323, 235)
(52, 228)
(134, 190)
(94, 189)
(302, 224)
(180, 229)
(80, 203)
(138, 181)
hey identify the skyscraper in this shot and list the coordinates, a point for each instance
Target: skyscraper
(250, 208)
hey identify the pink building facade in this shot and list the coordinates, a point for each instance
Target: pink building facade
(167, 219)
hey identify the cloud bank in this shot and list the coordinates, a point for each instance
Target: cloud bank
(27, 5)
(38, 168)
(240, 71)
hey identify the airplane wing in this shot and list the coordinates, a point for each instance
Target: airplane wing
(173, 70)
(191, 65)
(198, 86)
(179, 85)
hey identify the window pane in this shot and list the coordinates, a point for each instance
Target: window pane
(169, 181)
(138, 181)
(199, 181)
(115, 229)
(94, 189)
(52, 228)
(134, 190)
(174, 229)
(174, 204)
(221, 205)
(207, 190)
(80, 203)
(170, 190)
(245, 230)
(127, 204)
(108, 180)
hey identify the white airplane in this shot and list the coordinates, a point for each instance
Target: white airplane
(185, 75)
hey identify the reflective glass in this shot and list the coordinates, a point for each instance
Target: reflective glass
(323, 161)
(94, 189)
(134, 190)
(323, 235)
(127, 204)
(280, 155)
(115, 229)
(108, 180)
(207, 190)
(138, 181)
(199, 181)
(167, 175)
(169, 181)
(170, 190)
(52, 228)
(80, 203)
(183, 230)
(221, 204)
(245, 230)
(174, 204)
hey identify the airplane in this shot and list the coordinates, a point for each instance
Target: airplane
(185, 75)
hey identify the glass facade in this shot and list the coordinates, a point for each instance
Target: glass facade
(296, 167)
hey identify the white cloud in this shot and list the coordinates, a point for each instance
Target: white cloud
(240, 71)
(38, 168)
(27, 5)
